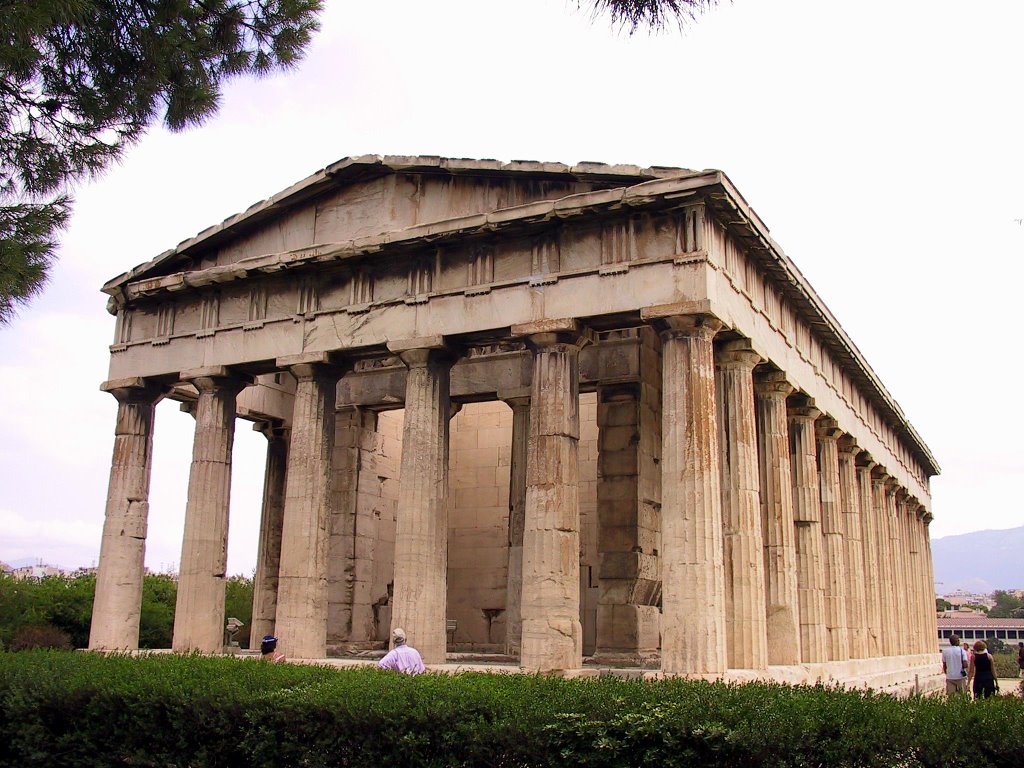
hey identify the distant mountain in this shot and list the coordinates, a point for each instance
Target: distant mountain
(982, 561)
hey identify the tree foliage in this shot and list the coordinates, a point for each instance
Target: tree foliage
(1008, 606)
(653, 14)
(41, 608)
(80, 80)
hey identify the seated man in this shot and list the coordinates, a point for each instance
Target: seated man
(402, 658)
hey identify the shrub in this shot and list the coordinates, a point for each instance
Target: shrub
(162, 710)
(1006, 664)
(40, 636)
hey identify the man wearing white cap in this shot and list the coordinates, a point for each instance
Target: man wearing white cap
(402, 658)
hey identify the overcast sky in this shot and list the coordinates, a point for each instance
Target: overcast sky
(880, 142)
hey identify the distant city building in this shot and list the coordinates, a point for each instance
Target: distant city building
(962, 597)
(976, 626)
(37, 571)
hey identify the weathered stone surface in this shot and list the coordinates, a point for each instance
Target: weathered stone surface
(776, 485)
(118, 601)
(693, 578)
(302, 585)
(516, 522)
(199, 611)
(856, 600)
(810, 569)
(552, 636)
(421, 534)
(745, 609)
(834, 555)
(268, 556)
(872, 556)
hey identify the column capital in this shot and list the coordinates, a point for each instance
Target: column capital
(773, 383)
(314, 365)
(515, 398)
(737, 354)
(802, 407)
(848, 446)
(135, 390)
(679, 326)
(542, 334)
(216, 378)
(827, 428)
(272, 429)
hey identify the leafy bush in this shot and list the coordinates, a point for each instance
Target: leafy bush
(40, 636)
(90, 710)
(1006, 664)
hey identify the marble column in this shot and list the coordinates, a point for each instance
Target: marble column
(885, 571)
(777, 525)
(268, 554)
(552, 636)
(516, 520)
(302, 581)
(693, 570)
(199, 611)
(872, 569)
(807, 517)
(933, 628)
(118, 600)
(913, 569)
(628, 618)
(421, 530)
(837, 639)
(856, 600)
(745, 611)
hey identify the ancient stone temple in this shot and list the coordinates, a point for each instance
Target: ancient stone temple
(572, 415)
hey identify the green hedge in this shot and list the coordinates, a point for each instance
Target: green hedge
(77, 709)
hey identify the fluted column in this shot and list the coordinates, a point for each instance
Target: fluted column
(552, 636)
(421, 531)
(268, 554)
(885, 574)
(873, 585)
(118, 600)
(856, 600)
(693, 572)
(302, 578)
(807, 516)
(930, 579)
(516, 519)
(745, 612)
(913, 553)
(837, 639)
(782, 604)
(199, 611)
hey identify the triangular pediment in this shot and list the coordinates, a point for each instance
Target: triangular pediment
(369, 195)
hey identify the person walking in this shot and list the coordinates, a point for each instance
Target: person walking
(268, 650)
(402, 658)
(954, 664)
(982, 672)
(1020, 659)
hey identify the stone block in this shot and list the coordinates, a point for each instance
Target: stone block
(628, 565)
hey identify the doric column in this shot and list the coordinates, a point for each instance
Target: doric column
(782, 605)
(421, 531)
(745, 612)
(887, 636)
(302, 581)
(807, 517)
(199, 611)
(933, 629)
(908, 518)
(856, 601)
(552, 637)
(837, 640)
(516, 520)
(693, 571)
(894, 496)
(872, 569)
(628, 619)
(118, 600)
(268, 554)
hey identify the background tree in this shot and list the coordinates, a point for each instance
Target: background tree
(80, 80)
(1008, 606)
